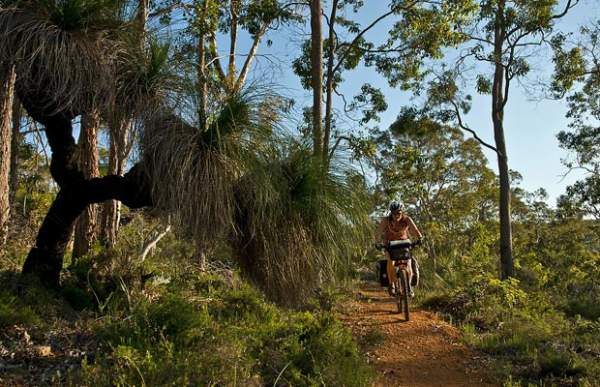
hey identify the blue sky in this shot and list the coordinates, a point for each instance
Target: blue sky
(531, 123)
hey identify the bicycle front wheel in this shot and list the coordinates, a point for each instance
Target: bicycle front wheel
(403, 295)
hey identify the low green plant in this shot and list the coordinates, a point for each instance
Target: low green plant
(14, 312)
(219, 335)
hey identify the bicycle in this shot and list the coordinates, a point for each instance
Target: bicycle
(400, 252)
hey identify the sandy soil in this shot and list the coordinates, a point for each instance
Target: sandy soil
(425, 351)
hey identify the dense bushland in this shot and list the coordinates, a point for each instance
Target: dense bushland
(164, 322)
(542, 326)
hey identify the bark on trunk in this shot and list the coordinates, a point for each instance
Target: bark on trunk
(317, 75)
(233, 29)
(14, 152)
(117, 158)
(76, 192)
(506, 257)
(85, 230)
(119, 150)
(329, 87)
(201, 70)
(7, 85)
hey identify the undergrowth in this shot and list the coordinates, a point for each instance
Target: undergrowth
(532, 339)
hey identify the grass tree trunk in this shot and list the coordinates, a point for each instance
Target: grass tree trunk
(14, 149)
(316, 59)
(85, 230)
(498, 103)
(76, 192)
(7, 85)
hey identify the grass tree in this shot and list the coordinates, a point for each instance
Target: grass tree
(68, 54)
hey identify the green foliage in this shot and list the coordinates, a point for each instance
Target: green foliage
(77, 15)
(14, 312)
(538, 326)
(223, 336)
(298, 225)
(575, 76)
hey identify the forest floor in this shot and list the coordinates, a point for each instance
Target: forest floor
(425, 351)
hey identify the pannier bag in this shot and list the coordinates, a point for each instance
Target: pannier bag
(382, 269)
(399, 250)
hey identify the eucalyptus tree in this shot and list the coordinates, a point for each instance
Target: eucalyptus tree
(121, 131)
(578, 75)
(442, 177)
(86, 225)
(419, 31)
(256, 18)
(16, 140)
(499, 43)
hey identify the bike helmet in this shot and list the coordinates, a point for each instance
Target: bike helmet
(395, 206)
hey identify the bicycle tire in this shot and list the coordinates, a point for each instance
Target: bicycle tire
(398, 293)
(404, 295)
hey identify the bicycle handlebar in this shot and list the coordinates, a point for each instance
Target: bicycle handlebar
(382, 246)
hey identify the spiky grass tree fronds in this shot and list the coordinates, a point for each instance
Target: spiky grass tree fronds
(63, 50)
(145, 78)
(195, 172)
(297, 224)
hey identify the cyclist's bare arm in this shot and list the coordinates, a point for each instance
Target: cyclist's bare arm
(413, 230)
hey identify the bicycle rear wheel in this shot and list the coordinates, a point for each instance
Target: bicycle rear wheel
(403, 296)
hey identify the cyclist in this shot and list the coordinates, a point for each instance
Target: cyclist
(399, 226)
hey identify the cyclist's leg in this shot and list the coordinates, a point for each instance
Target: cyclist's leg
(391, 271)
(410, 276)
(415, 271)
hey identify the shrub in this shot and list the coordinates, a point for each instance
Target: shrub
(13, 312)
(223, 336)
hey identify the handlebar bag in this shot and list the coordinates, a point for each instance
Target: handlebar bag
(399, 250)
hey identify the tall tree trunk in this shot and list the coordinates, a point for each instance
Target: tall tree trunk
(142, 18)
(329, 88)
(119, 149)
(7, 86)
(201, 68)
(85, 231)
(117, 158)
(14, 146)
(316, 59)
(506, 257)
(233, 29)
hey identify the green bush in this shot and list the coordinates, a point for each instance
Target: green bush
(13, 312)
(223, 336)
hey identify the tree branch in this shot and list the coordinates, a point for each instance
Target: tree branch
(251, 54)
(357, 37)
(466, 128)
(215, 61)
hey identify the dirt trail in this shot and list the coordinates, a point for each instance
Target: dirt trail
(425, 351)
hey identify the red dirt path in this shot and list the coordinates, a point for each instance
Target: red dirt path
(425, 351)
